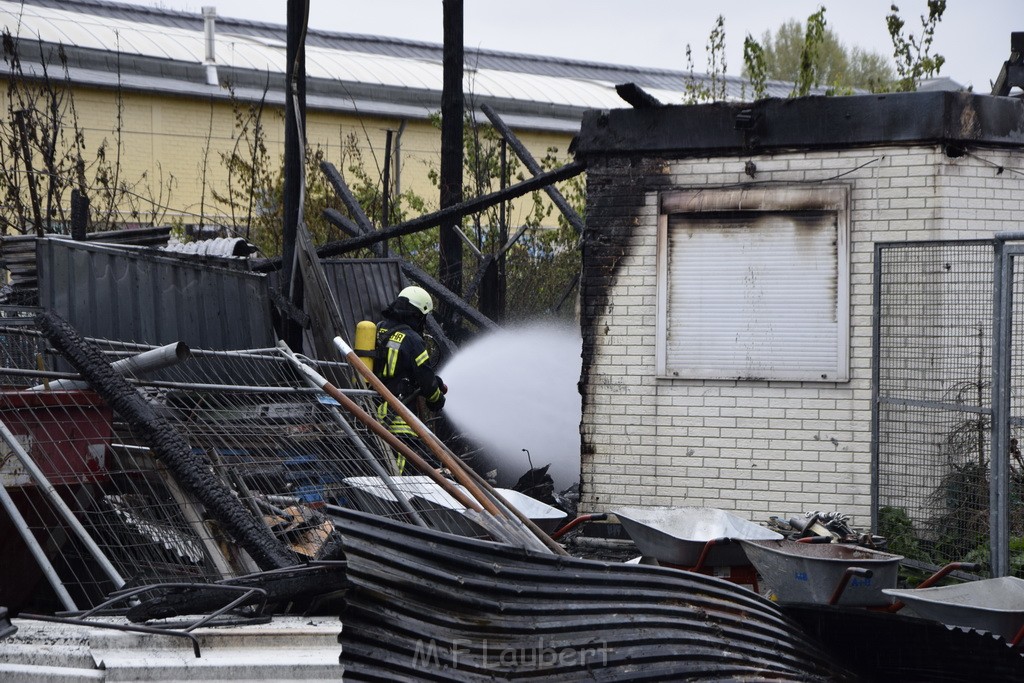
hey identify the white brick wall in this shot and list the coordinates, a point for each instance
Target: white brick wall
(780, 448)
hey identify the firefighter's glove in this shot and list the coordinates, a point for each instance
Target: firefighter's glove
(436, 402)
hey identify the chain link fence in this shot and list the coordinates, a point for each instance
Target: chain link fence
(934, 308)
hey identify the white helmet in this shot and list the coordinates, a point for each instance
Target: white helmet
(419, 298)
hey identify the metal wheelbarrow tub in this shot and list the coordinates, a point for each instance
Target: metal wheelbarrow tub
(678, 535)
(809, 573)
(992, 605)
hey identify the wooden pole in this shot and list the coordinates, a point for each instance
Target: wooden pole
(380, 430)
(428, 438)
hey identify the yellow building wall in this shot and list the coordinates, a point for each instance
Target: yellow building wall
(178, 142)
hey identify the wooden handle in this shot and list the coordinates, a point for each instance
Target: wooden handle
(443, 455)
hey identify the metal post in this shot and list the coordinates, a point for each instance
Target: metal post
(876, 346)
(37, 551)
(999, 533)
(58, 503)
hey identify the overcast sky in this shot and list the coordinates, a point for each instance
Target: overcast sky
(974, 35)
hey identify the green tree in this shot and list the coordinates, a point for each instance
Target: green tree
(711, 86)
(811, 55)
(914, 60)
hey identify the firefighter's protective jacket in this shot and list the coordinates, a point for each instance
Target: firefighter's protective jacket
(403, 364)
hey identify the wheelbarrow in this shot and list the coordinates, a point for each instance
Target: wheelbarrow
(992, 605)
(695, 539)
(824, 573)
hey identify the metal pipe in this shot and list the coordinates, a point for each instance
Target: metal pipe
(58, 503)
(566, 528)
(37, 551)
(147, 361)
(209, 29)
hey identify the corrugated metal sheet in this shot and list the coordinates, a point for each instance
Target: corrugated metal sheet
(362, 288)
(224, 247)
(892, 647)
(431, 606)
(143, 297)
(18, 255)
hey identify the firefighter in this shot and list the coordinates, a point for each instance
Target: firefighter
(403, 364)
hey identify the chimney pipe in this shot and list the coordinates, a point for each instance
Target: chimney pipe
(209, 32)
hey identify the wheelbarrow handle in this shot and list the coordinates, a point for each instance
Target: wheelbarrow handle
(935, 578)
(947, 569)
(845, 579)
(724, 540)
(576, 522)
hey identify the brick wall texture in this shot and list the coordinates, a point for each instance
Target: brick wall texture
(757, 448)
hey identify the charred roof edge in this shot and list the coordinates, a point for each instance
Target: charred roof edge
(727, 129)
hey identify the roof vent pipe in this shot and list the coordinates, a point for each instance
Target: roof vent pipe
(209, 29)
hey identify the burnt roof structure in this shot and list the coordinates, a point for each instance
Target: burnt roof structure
(770, 125)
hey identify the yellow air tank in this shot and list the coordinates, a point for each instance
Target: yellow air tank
(366, 342)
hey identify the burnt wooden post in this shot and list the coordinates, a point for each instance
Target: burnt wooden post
(79, 215)
(451, 147)
(294, 120)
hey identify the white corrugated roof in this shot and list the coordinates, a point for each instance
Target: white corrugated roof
(267, 56)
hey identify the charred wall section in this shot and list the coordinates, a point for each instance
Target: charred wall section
(619, 190)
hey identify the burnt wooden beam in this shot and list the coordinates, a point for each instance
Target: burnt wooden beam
(637, 97)
(479, 277)
(456, 212)
(420, 276)
(442, 293)
(343, 223)
(294, 142)
(345, 195)
(79, 215)
(557, 198)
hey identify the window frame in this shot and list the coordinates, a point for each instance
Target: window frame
(789, 199)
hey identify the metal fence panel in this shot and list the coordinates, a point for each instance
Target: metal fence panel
(932, 389)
